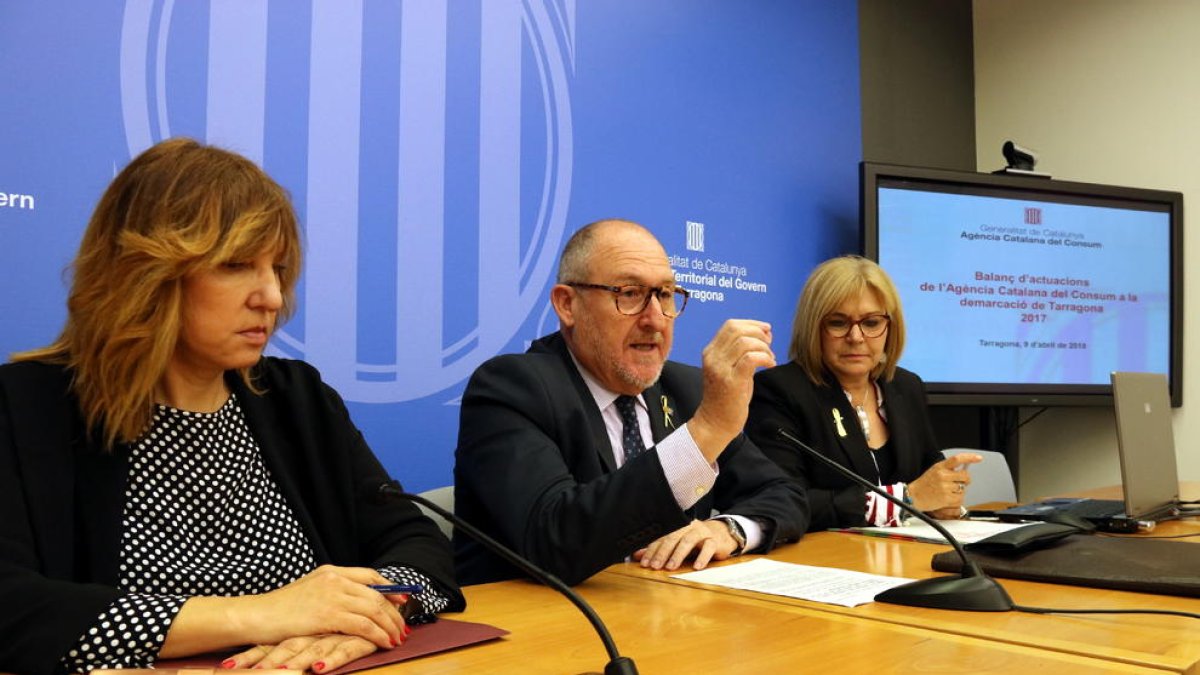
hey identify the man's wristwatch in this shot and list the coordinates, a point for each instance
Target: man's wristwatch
(739, 536)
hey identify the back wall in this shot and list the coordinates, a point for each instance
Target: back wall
(1105, 91)
(439, 154)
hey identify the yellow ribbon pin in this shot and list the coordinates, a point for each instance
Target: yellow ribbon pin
(667, 412)
(837, 420)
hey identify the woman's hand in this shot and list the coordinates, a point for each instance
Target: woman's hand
(949, 513)
(328, 600)
(943, 486)
(318, 653)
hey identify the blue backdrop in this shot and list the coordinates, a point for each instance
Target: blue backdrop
(439, 153)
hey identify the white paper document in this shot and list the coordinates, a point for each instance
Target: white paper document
(966, 531)
(819, 584)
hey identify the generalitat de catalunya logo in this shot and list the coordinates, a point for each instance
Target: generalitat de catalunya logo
(507, 255)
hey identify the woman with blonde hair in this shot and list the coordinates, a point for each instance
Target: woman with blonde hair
(165, 490)
(843, 394)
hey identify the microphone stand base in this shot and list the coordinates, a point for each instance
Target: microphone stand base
(973, 593)
(622, 665)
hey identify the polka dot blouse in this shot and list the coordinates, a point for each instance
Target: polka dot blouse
(203, 516)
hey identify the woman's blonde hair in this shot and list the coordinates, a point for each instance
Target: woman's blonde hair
(177, 208)
(832, 283)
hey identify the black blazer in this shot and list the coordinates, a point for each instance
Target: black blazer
(785, 398)
(534, 468)
(61, 501)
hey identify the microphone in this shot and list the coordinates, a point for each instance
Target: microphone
(970, 590)
(392, 491)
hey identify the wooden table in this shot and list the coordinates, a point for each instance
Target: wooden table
(671, 628)
(1166, 643)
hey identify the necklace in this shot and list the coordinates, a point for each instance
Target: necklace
(864, 420)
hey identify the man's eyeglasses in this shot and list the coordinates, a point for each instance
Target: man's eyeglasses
(872, 325)
(633, 299)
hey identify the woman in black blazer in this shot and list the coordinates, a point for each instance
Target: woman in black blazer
(165, 490)
(843, 394)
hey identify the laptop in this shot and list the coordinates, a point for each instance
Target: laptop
(1146, 446)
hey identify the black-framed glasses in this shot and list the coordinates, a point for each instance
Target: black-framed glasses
(633, 299)
(871, 325)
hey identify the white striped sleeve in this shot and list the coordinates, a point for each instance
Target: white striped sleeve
(883, 513)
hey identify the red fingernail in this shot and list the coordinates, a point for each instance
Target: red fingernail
(228, 663)
(319, 665)
(404, 597)
(407, 630)
(393, 641)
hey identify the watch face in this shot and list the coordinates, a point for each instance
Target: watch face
(735, 531)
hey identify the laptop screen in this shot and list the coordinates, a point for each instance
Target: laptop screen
(1146, 443)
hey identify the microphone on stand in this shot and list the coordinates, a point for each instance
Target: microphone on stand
(392, 491)
(970, 590)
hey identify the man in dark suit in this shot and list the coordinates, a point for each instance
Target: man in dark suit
(592, 446)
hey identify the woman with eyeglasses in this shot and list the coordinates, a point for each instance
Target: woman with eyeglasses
(843, 394)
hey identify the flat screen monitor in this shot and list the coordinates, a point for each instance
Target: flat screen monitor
(1028, 291)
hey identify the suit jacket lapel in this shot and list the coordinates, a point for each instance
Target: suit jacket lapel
(268, 431)
(907, 463)
(596, 433)
(100, 495)
(663, 420)
(79, 490)
(840, 416)
(662, 408)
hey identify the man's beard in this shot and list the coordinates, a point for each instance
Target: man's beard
(629, 377)
(623, 373)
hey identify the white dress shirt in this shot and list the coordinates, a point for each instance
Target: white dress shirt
(688, 473)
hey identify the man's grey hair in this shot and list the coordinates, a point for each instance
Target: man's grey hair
(573, 265)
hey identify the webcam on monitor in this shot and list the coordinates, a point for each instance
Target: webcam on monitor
(1020, 160)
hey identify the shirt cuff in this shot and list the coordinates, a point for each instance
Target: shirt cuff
(750, 528)
(881, 512)
(688, 473)
(128, 634)
(431, 597)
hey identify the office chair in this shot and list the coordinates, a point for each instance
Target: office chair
(443, 497)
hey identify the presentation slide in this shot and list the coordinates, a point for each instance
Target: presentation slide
(1001, 290)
